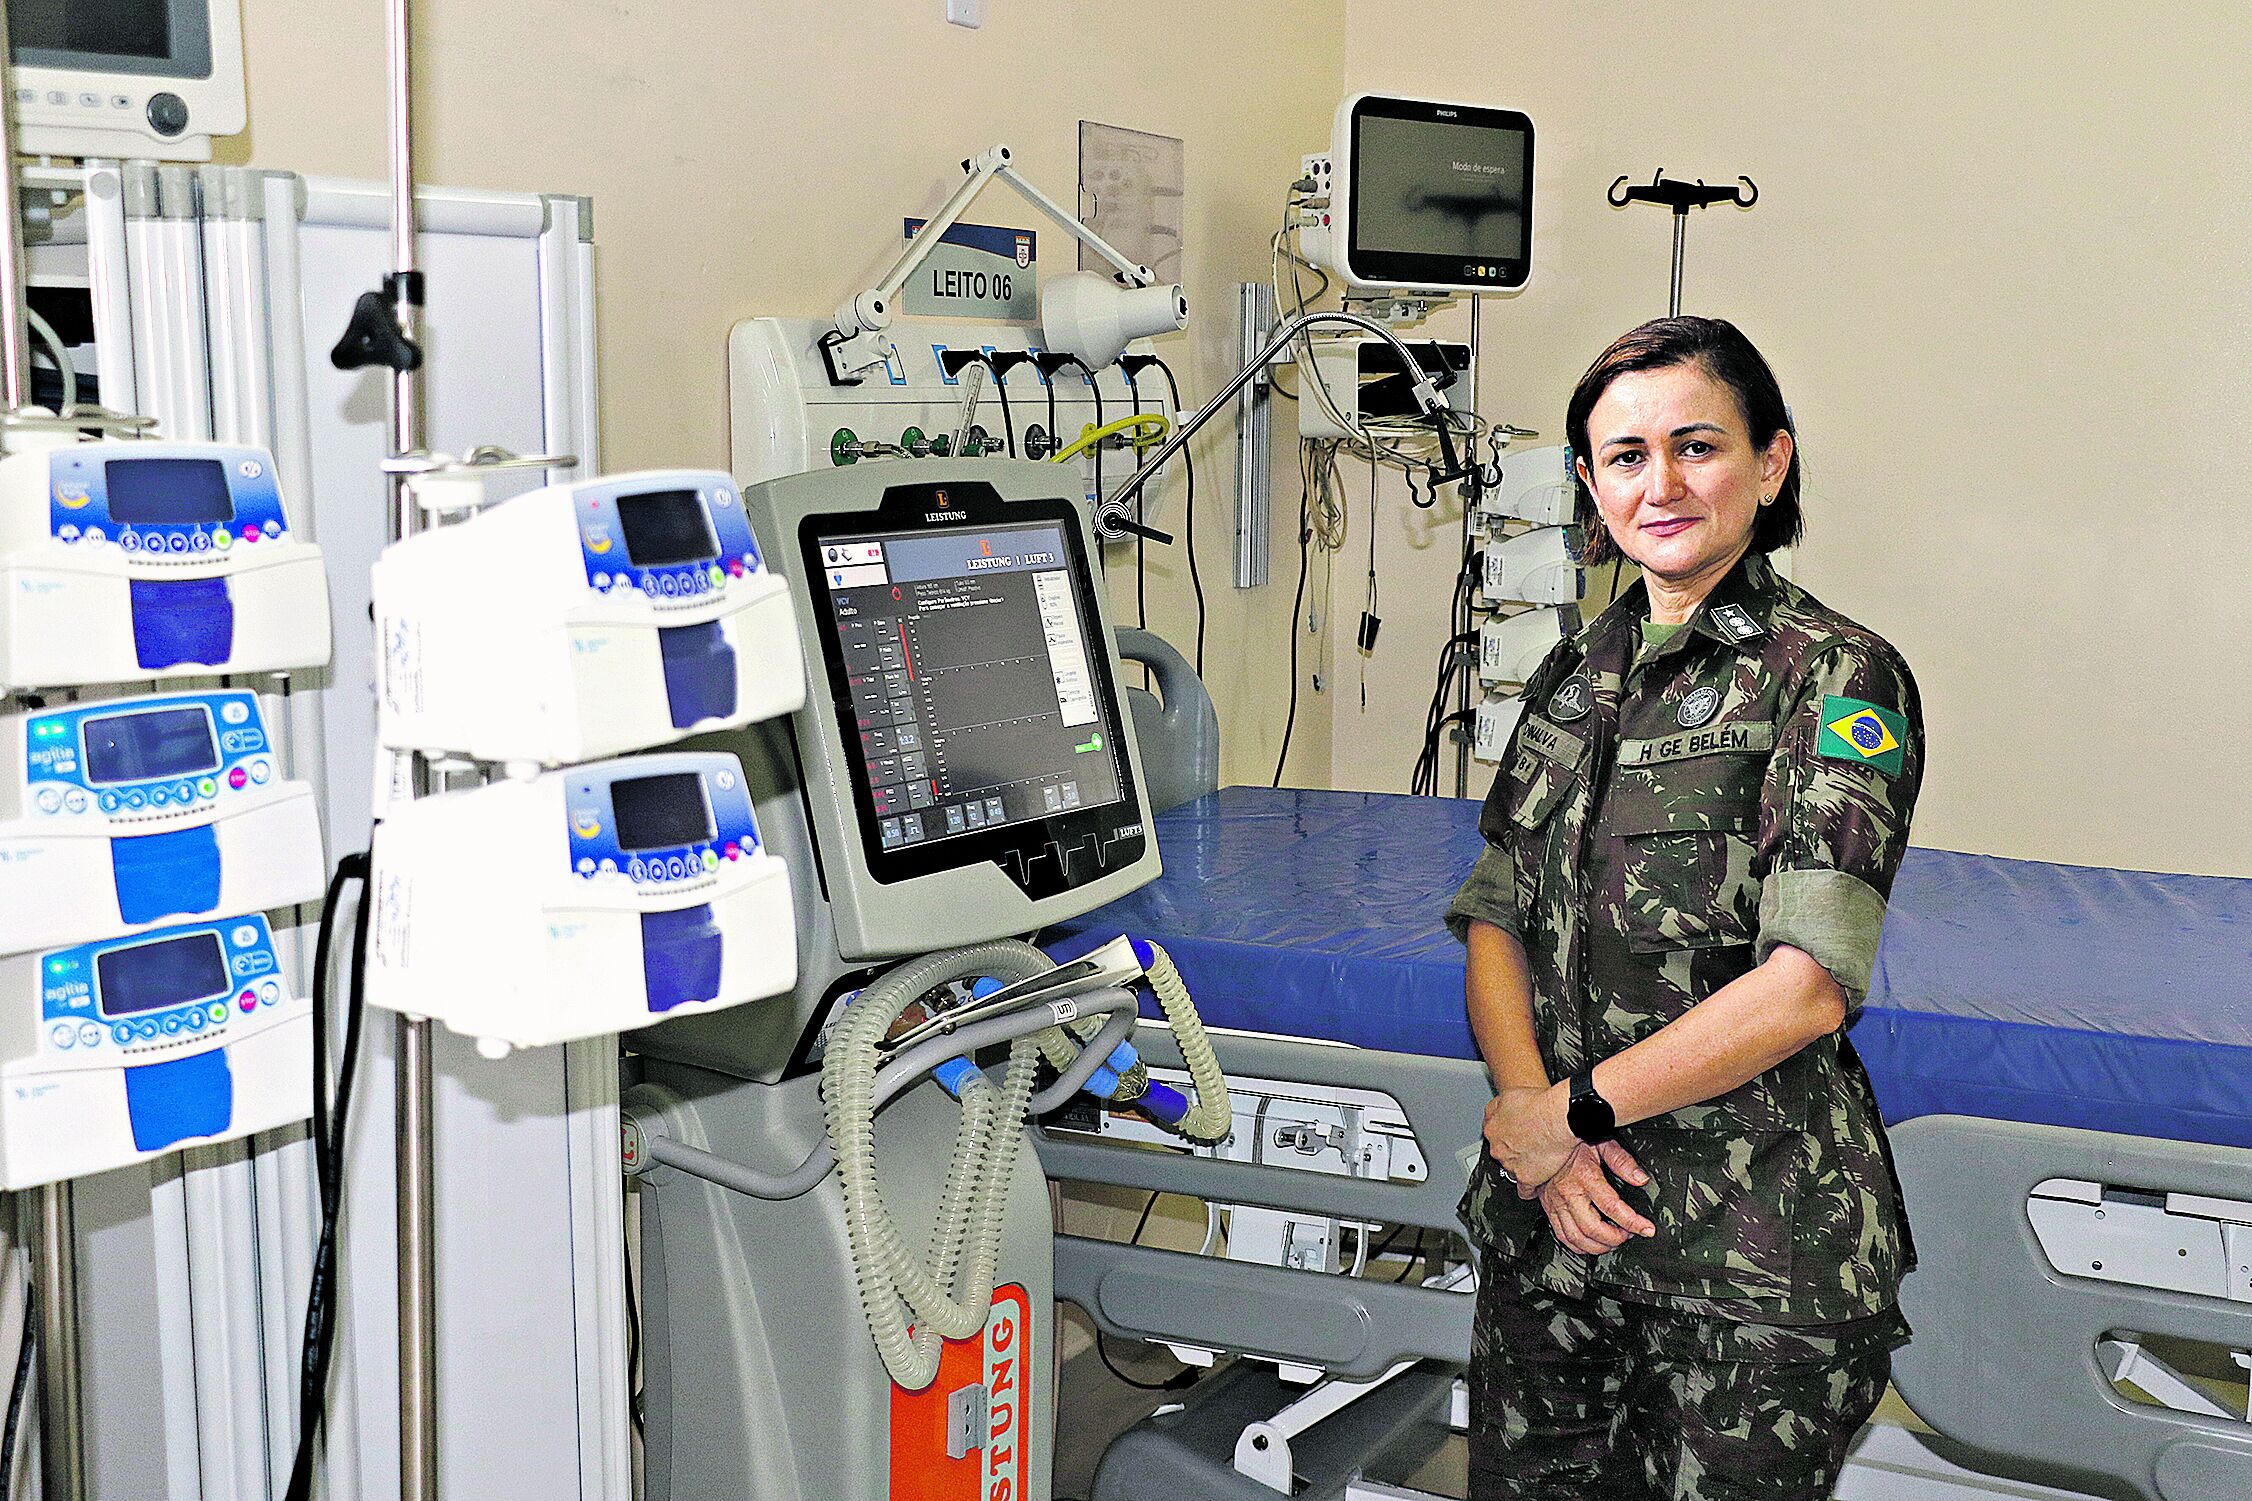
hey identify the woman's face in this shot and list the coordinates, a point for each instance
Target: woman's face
(1674, 473)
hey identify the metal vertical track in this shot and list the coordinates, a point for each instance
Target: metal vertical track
(590, 1068)
(63, 1449)
(127, 268)
(224, 1249)
(288, 1210)
(1254, 454)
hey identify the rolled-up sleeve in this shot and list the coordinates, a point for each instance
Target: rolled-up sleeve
(1840, 790)
(1488, 894)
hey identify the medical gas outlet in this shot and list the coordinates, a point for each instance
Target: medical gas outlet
(580, 902)
(115, 1052)
(123, 814)
(581, 621)
(122, 562)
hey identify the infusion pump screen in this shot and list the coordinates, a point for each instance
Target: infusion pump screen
(972, 681)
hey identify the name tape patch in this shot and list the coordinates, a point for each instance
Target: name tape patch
(1558, 745)
(1865, 734)
(1740, 737)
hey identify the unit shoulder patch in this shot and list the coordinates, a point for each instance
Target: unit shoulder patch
(1865, 734)
(1573, 700)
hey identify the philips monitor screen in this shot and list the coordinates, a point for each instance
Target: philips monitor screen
(1440, 195)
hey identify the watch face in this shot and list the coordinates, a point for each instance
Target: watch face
(1590, 1116)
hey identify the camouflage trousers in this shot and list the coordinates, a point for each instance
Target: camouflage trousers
(1592, 1399)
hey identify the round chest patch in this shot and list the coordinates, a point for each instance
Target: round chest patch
(1698, 707)
(1573, 700)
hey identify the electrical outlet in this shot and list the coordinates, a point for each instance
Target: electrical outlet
(970, 13)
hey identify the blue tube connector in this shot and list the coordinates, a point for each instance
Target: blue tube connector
(1164, 1104)
(953, 1073)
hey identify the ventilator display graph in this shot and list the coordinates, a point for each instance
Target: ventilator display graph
(971, 680)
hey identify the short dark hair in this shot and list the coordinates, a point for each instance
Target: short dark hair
(1721, 350)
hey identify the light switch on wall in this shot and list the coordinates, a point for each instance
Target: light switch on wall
(970, 13)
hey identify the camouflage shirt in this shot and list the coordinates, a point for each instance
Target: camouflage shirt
(1665, 815)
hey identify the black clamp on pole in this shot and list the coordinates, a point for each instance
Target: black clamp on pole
(1681, 197)
(373, 336)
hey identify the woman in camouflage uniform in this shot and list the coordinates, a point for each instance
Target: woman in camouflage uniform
(1691, 1239)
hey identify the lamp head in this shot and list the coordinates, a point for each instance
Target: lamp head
(1087, 315)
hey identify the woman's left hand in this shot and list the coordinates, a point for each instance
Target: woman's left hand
(1527, 1134)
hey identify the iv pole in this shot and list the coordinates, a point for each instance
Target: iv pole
(1680, 197)
(418, 1340)
(382, 332)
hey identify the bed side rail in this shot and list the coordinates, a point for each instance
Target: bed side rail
(2016, 1357)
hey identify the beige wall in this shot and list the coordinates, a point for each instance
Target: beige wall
(755, 157)
(2001, 266)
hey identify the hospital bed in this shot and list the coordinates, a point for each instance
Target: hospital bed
(2065, 1055)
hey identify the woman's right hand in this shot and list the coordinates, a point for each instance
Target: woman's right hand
(1585, 1209)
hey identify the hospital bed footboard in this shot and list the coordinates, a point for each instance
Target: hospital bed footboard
(2022, 1330)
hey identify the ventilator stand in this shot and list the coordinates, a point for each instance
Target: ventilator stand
(1681, 197)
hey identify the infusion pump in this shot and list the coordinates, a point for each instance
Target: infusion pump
(583, 620)
(122, 562)
(586, 901)
(123, 814)
(113, 1052)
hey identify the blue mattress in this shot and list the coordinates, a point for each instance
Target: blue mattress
(2059, 994)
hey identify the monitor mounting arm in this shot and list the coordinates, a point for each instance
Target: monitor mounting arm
(1424, 385)
(858, 344)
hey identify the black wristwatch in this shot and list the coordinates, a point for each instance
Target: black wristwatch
(1589, 1115)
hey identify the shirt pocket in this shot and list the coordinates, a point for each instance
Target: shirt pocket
(1687, 834)
(1722, 1201)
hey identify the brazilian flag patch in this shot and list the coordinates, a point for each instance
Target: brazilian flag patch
(1863, 733)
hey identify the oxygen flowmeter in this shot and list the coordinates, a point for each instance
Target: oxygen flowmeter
(584, 620)
(126, 813)
(124, 561)
(580, 902)
(113, 1052)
